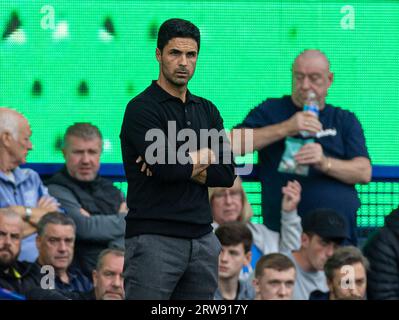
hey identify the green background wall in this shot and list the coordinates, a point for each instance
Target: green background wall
(246, 53)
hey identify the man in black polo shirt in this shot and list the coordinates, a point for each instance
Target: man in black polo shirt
(171, 251)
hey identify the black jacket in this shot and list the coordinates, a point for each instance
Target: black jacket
(104, 229)
(24, 278)
(319, 295)
(382, 250)
(21, 277)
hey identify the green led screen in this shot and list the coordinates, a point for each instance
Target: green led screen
(246, 54)
(68, 61)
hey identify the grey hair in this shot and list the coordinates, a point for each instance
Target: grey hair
(344, 256)
(9, 121)
(54, 218)
(115, 251)
(84, 130)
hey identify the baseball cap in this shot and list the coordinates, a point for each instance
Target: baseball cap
(326, 223)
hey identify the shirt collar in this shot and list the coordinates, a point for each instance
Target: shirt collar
(20, 175)
(161, 95)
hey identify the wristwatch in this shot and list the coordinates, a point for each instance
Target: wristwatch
(28, 213)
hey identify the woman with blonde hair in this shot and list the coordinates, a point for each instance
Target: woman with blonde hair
(231, 204)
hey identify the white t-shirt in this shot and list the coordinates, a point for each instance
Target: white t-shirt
(307, 282)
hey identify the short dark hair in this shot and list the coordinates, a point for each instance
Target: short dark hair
(344, 256)
(177, 28)
(115, 251)
(275, 261)
(233, 233)
(54, 218)
(84, 130)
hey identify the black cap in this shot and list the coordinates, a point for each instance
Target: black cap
(326, 223)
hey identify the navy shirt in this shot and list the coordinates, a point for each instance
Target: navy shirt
(318, 190)
(78, 282)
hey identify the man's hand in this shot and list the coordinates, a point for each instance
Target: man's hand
(44, 205)
(85, 213)
(200, 177)
(204, 156)
(144, 167)
(303, 121)
(48, 204)
(291, 196)
(123, 208)
(201, 160)
(311, 154)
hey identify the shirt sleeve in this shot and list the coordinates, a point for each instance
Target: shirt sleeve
(355, 142)
(42, 190)
(257, 118)
(221, 174)
(291, 230)
(145, 131)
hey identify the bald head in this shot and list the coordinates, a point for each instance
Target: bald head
(315, 56)
(311, 72)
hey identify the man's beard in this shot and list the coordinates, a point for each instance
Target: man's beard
(5, 263)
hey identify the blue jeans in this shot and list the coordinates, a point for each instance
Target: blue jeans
(161, 267)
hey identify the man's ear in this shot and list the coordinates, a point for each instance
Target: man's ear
(330, 78)
(38, 241)
(255, 284)
(248, 257)
(64, 152)
(158, 54)
(94, 277)
(305, 240)
(6, 138)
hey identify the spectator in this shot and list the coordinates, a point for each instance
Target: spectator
(96, 206)
(274, 277)
(346, 276)
(55, 242)
(108, 277)
(382, 250)
(236, 240)
(16, 276)
(21, 189)
(323, 231)
(336, 154)
(231, 204)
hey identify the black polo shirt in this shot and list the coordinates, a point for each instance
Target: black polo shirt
(170, 202)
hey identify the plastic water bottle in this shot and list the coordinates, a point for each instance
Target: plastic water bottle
(312, 106)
